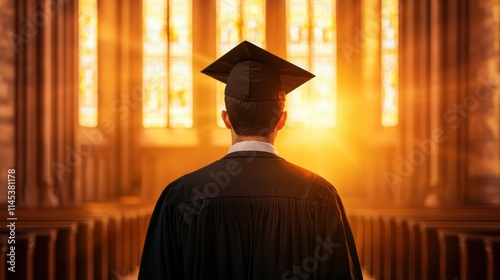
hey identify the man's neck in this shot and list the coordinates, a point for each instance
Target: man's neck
(253, 138)
(238, 138)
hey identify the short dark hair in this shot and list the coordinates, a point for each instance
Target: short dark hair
(258, 118)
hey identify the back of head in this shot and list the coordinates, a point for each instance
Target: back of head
(256, 84)
(257, 118)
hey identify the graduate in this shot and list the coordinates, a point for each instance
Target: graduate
(251, 214)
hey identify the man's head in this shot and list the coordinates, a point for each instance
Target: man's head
(261, 118)
(256, 84)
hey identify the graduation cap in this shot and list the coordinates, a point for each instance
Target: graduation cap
(254, 74)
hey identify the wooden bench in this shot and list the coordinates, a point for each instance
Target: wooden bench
(65, 252)
(3, 257)
(392, 229)
(122, 228)
(430, 255)
(107, 240)
(92, 237)
(423, 230)
(44, 251)
(450, 254)
(492, 248)
(411, 246)
(134, 223)
(474, 263)
(84, 236)
(111, 241)
(24, 263)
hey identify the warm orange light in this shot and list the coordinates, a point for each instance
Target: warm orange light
(167, 71)
(87, 63)
(180, 57)
(237, 21)
(311, 44)
(154, 75)
(389, 62)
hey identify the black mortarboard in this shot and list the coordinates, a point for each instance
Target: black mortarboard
(254, 74)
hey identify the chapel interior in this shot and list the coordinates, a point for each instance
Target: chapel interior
(102, 104)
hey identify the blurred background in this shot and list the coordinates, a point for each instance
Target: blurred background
(102, 104)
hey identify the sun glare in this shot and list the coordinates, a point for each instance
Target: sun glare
(167, 70)
(87, 63)
(389, 62)
(311, 44)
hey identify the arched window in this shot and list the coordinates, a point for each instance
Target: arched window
(167, 68)
(389, 62)
(167, 51)
(311, 44)
(87, 63)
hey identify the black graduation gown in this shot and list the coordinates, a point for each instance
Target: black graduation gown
(249, 215)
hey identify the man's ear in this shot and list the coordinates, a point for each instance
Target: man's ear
(225, 119)
(282, 121)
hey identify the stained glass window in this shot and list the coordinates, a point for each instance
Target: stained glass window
(87, 63)
(311, 44)
(389, 62)
(167, 70)
(238, 20)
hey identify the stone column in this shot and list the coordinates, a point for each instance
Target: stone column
(481, 107)
(7, 82)
(44, 109)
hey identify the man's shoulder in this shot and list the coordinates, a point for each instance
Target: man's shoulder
(226, 176)
(241, 163)
(319, 185)
(192, 178)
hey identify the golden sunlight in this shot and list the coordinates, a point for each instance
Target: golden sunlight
(311, 44)
(167, 70)
(389, 62)
(87, 63)
(154, 97)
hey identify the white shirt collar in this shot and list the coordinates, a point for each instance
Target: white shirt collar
(252, 145)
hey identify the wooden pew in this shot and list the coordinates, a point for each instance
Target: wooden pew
(128, 223)
(392, 243)
(3, 257)
(109, 263)
(430, 257)
(410, 230)
(429, 253)
(393, 229)
(24, 248)
(65, 252)
(101, 248)
(44, 251)
(120, 235)
(416, 248)
(473, 256)
(368, 241)
(492, 248)
(134, 224)
(84, 236)
(126, 231)
(450, 253)
(109, 237)
(92, 237)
